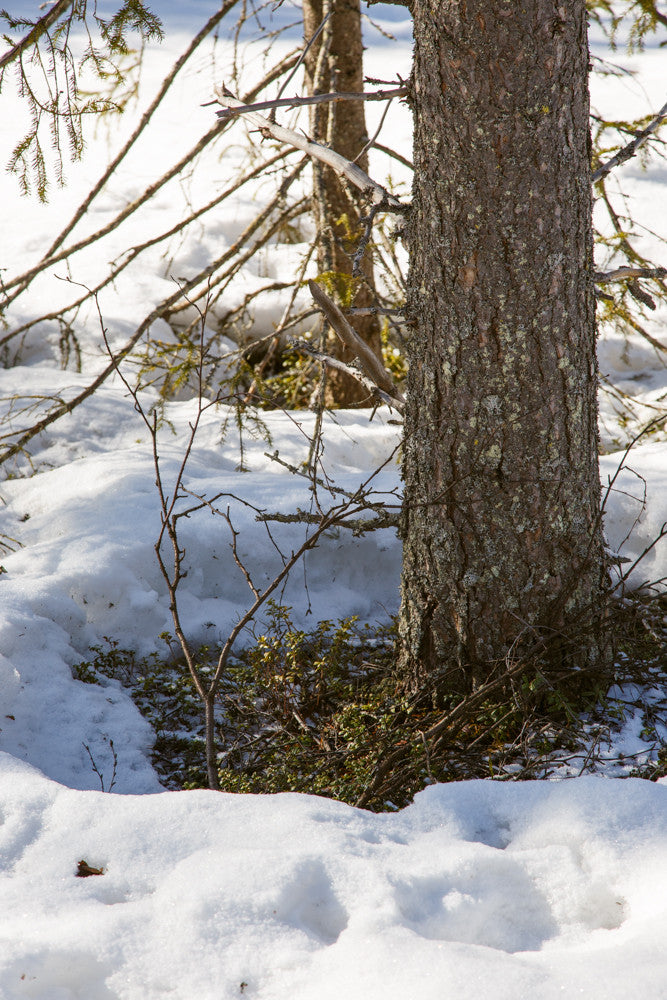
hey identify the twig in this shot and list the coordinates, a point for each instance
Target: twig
(266, 223)
(304, 52)
(642, 555)
(97, 770)
(235, 554)
(368, 221)
(371, 141)
(427, 757)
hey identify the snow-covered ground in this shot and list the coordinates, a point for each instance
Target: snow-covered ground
(493, 889)
(510, 891)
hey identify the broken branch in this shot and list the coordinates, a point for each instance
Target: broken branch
(371, 366)
(341, 366)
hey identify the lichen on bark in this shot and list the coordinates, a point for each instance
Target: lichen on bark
(502, 535)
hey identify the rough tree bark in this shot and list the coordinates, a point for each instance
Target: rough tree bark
(502, 540)
(335, 62)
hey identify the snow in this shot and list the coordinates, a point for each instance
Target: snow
(494, 889)
(521, 890)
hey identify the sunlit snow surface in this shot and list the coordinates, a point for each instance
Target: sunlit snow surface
(544, 889)
(482, 889)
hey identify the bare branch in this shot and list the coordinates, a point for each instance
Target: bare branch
(370, 364)
(354, 373)
(623, 273)
(298, 102)
(343, 167)
(629, 151)
(397, 311)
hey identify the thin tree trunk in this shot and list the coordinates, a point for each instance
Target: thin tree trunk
(211, 754)
(335, 62)
(502, 540)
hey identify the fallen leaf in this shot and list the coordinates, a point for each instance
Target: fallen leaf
(84, 870)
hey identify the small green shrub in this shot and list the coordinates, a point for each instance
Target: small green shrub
(320, 712)
(306, 711)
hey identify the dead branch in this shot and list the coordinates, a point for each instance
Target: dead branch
(623, 273)
(341, 366)
(298, 101)
(371, 366)
(357, 525)
(343, 167)
(629, 151)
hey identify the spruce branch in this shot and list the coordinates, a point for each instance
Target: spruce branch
(35, 33)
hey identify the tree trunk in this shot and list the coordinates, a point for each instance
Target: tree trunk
(335, 62)
(502, 537)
